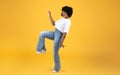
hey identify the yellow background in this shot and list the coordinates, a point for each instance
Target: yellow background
(91, 48)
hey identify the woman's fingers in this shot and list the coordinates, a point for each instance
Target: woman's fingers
(49, 13)
(62, 46)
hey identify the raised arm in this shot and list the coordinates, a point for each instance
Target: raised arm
(51, 19)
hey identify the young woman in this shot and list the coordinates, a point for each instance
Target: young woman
(62, 27)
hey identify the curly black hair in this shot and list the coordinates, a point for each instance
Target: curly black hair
(68, 10)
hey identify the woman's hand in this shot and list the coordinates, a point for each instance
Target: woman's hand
(49, 13)
(61, 45)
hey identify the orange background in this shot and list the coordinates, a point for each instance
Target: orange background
(92, 46)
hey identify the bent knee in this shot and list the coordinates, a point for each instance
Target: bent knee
(43, 33)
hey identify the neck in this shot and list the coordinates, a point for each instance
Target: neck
(66, 17)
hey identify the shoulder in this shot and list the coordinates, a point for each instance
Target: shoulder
(68, 21)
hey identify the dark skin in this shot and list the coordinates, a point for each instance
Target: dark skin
(64, 14)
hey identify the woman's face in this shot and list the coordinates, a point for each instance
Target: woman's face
(64, 14)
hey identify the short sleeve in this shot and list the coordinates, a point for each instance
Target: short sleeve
(67, 28)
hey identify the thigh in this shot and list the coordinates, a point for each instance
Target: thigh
(57, 39)
(48, 34)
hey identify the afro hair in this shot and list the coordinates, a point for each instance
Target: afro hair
(68, 10)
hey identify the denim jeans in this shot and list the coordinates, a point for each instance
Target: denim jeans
(53, 35)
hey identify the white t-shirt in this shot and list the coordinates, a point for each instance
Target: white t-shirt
(63, 25)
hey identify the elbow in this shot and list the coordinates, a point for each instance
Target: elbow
(53, 23)
(64, 34)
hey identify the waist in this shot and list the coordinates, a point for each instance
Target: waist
(58, 30)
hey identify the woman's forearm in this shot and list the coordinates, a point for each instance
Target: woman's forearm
(51, 19)
(63, 37)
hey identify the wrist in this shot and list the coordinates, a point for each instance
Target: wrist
(49, 14)
(61, 42)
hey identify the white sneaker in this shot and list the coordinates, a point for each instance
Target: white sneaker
(43, 51)
(54, 71)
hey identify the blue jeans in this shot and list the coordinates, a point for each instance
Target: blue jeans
(53, 35)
